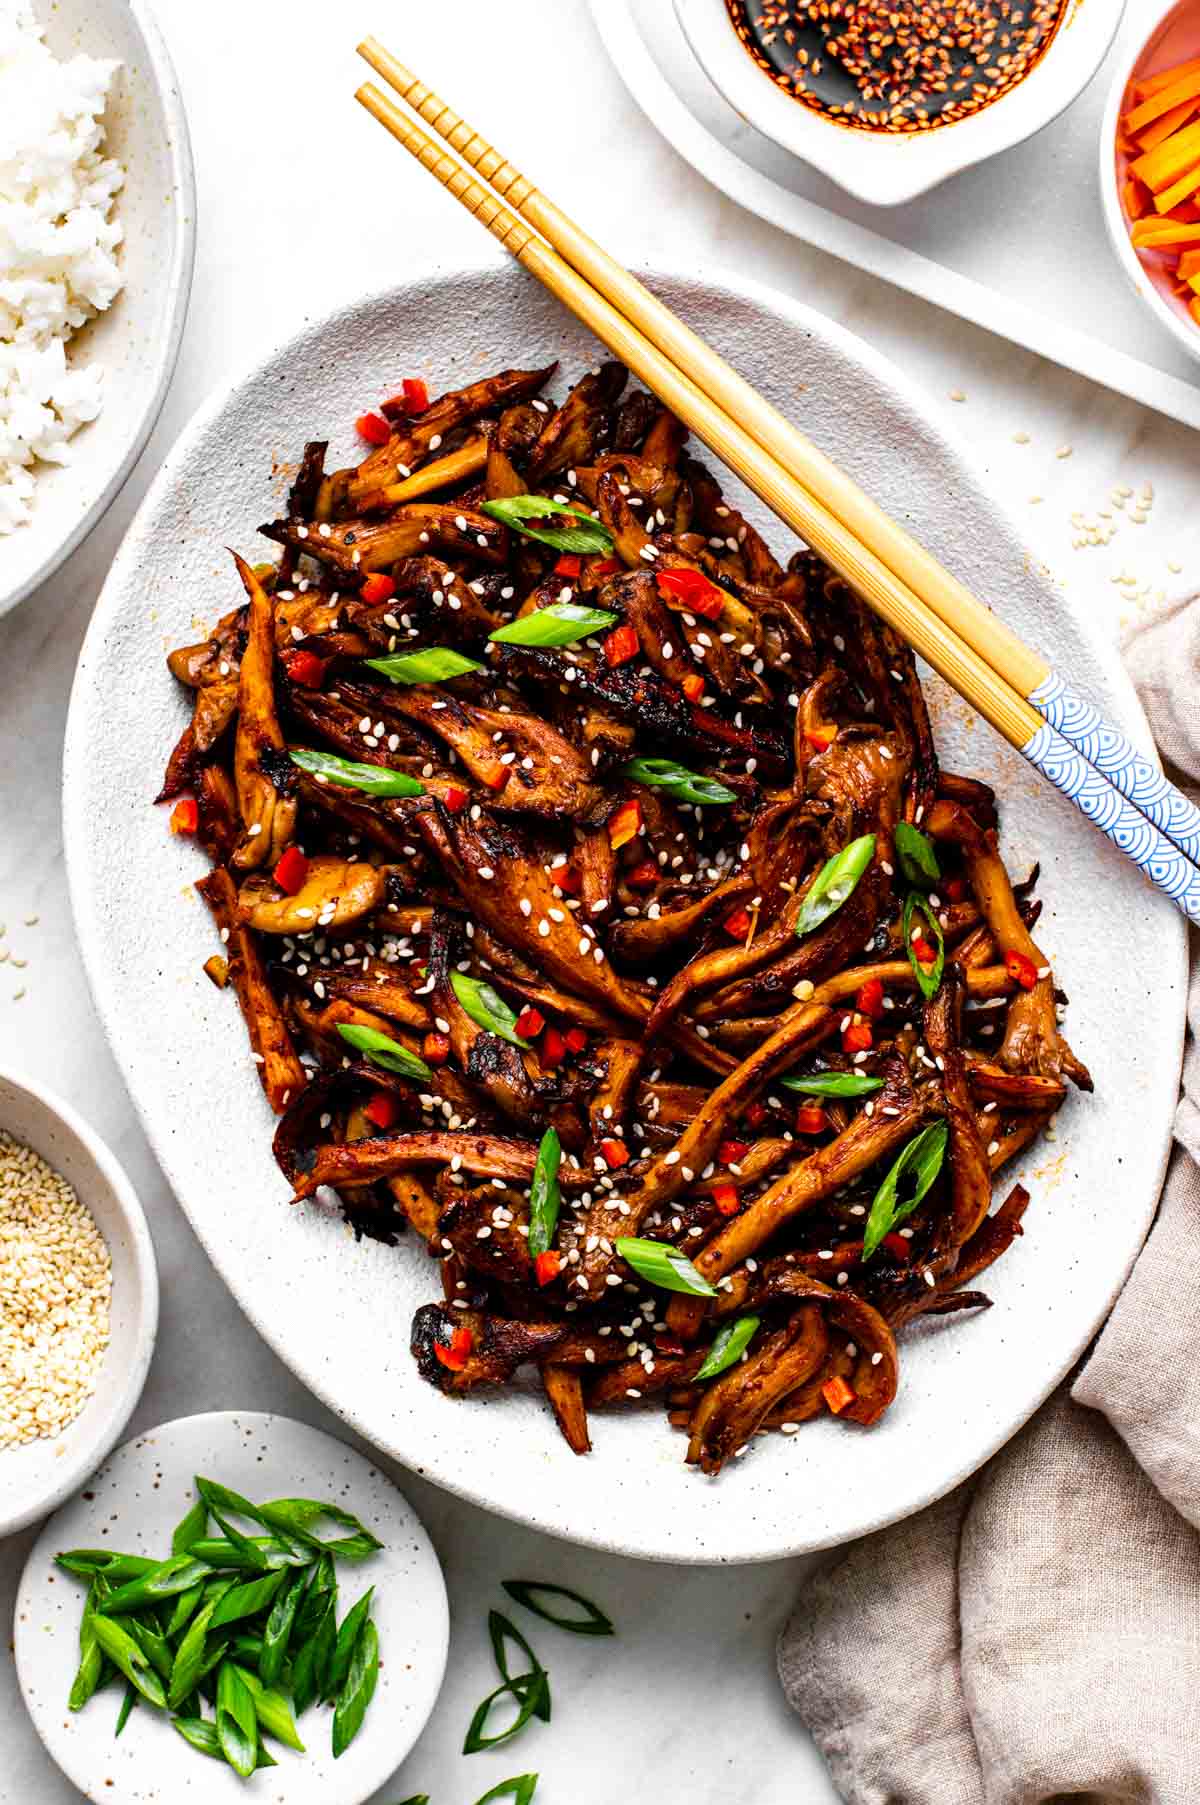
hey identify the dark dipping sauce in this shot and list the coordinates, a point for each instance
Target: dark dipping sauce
(896, 65)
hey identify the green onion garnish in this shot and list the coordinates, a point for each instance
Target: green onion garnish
(583, 535)
(560, 624)
(928, 976)
(728, 1347)
(835, 883)
(517, 1791)
(532, 1696)
(662, 1265)
(502, 1630)
(434, 665)
(375, 780)
(486, 1007)
(918, 861)
(544, 1197)
(530, 1592)
(684, 785)
(358, 1690)
(382, 1050)
(833, 1084)
(923, 1158)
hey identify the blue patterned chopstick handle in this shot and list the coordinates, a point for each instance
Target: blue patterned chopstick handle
(1111, 753)
(1138, 838)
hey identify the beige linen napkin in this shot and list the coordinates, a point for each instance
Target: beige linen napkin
(1035, 1637)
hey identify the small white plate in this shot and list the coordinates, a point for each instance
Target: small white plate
(133, 1503)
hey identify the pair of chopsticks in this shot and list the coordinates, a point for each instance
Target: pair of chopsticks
(1014, 689)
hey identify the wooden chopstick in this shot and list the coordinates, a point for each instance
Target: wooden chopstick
(1024, 669)
(958, 662)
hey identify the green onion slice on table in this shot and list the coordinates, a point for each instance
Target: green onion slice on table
(527, 515)
(532, 1593)
(835, 883)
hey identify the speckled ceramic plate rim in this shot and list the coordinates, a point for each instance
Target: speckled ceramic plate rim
(655, 1537)
(380, 1750)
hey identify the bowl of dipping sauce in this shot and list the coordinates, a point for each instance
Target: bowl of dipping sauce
(78, 1301)
(888, 98)
(1150, 167)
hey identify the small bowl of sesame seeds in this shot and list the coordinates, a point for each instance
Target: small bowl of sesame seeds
(889, 98)
(78, 1301)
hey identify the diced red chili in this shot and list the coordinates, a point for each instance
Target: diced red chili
(621, 645)
(955, 888)
(693, 589)
(693, 686)
(820, 738)
(922, 952)
(497, 776)
(305, 668)
(615, 1152)
(568, 879)
(726, 1199)
(605, 567)
(857, 1038)
(869, 1000)
(669, 1344)
(383, 1110)
(568, 565)
(729, 1153)
(373, 428)
(455, 1356)
(737, 924)
(436, 1049)
(625, 824)
(575, 1040)
(416, 395)
(291, 871)
(811, 1119)
(455, 798)
(898, 1247)
(643, 876)
(530, 1023)
(185, 816)
(837, 1394)
(378, 588)
(547, 1265)
(754, 1115)
(553, 1047)
(1021, 970)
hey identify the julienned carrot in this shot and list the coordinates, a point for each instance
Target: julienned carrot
(1162, 128)
(1154, 84)
(1164, 165)
(1182, 191)
(1183, 88)
(1154, 234)
(1189, 265)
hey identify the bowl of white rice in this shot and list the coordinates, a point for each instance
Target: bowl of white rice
(78, 1301)
(97, 235)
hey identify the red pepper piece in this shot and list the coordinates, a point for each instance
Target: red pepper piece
(553, 1047)
(305, 668)
(726, 1199)
(643, 876)
(693, 589)
(625, 823)
(497, 777)
(605, 567)
(820, 738)
(869, 1000)
(737, 924)
(455, 798)
(435, 1049)
(373, 428)
(615, 1152)
(568, 565)
(898, 1247)
(858, 1038)
(416, 395)
(291, 871)
(669, 1344)
(621, 645)
(1021, 970)
(575, 1040)
(185, 816)
(547, 1266)
(693, 686)
(382, 1110)
(378, 588)
(955, 888)
(567, 879)
(755, 1115)
(731, 1153)
(837, 1394)
(811, 1119)
(455, 1356)
(530, 1023)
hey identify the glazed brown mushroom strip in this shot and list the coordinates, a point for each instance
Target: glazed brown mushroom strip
(602, 923)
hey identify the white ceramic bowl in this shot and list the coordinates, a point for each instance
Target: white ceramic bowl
(1166, 22)
(36, 1477)
(138, 339)
(887, 169)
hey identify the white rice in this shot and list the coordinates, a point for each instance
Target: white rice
(57, 245)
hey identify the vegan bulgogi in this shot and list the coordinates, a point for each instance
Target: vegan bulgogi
(600, 914)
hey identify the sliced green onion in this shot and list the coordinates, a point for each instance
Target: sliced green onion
(559, 624)
(929, 977)
(922, 1158)
(835, 883)
(684, 785)
(248, 1600)
(374, 780)
(273, 1710)
(130, 1657)
(583, 535)
(502, 1630)
(531, 1698)
(662, 1265)
(486, 1007)
(382, 1050)
(435, 665)
(518, 1791)
(237, 1724)
(358, 1689)
(297, 1515)
(728, 1347)
(833, 1084)
(918, 860)
(530, 1592)
(177, 1574)
(347, 1641)
(190, 1528)
(127, 1704)
(418, 1798)
(545, 1199)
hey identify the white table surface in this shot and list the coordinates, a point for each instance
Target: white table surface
(301, 203)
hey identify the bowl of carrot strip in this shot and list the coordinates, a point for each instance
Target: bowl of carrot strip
(1150, 169)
